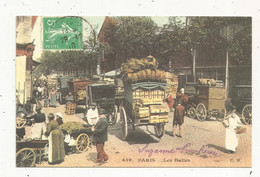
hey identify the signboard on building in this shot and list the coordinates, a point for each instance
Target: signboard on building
(62, 33)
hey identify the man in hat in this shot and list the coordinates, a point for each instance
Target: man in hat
(69, 98)
(178, 119)
(59, 118)
(39, 124)
(92, 114)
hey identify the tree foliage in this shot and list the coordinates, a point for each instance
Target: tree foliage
(130, 37)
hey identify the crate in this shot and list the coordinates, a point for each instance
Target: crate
(141, 111)
(154, 116)
(71, 108)
(154, 109)
(152, 121)
(142, 114)
(163, 116)
(164, 120)
(164, 109)
(142, 120)
(157, 101)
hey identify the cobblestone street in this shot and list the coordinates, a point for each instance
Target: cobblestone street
(143, 149)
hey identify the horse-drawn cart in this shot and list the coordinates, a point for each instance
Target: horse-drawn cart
(143, 105)
(78, 87)
(211, 102)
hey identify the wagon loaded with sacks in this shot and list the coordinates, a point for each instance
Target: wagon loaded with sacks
(144, 95)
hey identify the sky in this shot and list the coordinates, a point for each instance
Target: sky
(98, 20)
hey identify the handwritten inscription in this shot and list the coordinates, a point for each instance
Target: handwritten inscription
(184, 149)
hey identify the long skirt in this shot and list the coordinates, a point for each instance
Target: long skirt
(52, 101)
(231, 139)
(56, 152)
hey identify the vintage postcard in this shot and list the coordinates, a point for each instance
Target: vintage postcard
(133, 91)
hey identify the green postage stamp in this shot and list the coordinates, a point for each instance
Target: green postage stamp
(64, 33)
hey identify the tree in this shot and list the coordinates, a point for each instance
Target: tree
(130, 37)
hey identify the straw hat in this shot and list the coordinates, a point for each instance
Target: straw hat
(59, 115)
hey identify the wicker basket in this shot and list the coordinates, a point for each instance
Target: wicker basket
(240, 130)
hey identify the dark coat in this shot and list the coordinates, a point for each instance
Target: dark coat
(179, 115)
(39, 117)
(100, 132)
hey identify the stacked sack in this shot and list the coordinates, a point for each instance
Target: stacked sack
(142, 69)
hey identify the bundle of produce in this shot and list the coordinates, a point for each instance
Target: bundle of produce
(148, 74)
(135, 65)
(132, 65)
(208, 82)
(151, 62)
(132, 76)
(160, 75)
(153, 75)
(81, 94)
(69, 126)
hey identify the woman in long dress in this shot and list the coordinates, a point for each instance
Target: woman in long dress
(53, 98)
(231, 122)
(56, 152)
(231, 136)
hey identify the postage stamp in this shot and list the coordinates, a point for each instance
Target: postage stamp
(63, 33)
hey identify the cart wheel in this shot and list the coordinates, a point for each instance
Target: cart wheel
(20, 121)
(123, 123)
(82, 142)
(221, 116)
(25, 157)
(201, 112)
(192, 112)
(247, 114)
(113, 116)
(159, 130)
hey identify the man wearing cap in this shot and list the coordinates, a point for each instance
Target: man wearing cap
(59, 118)
(92, 114)
(100, 137)
(39, 126)
(69, 98)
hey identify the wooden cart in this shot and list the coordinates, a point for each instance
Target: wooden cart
(104, 96)
(143, 105)
(210, 102)
(242, 98)
(79, 138)
(78, 87)
(30, 152)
